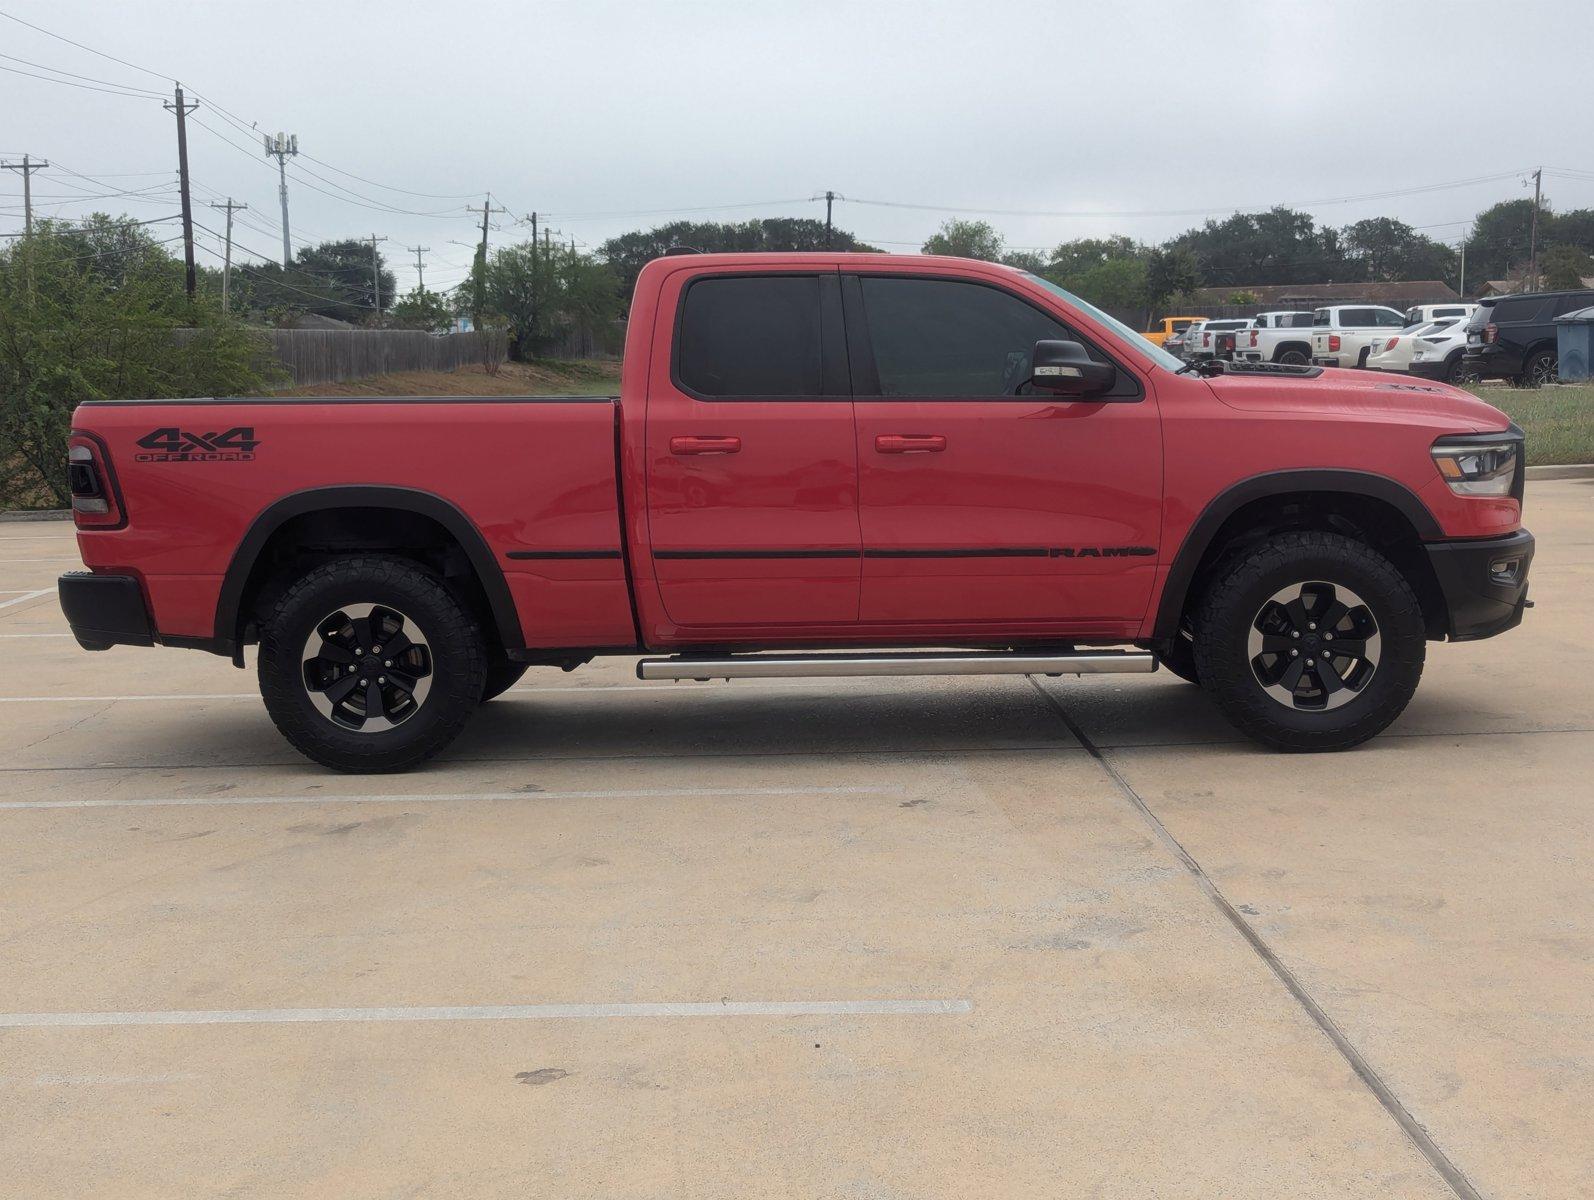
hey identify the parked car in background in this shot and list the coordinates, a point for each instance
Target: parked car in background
(1421, 314)
(1439, 354)
(1202, 341)
(1513, 337)
(1343, 334)
(1168, 327)
(1394, 353)
(1276, 337)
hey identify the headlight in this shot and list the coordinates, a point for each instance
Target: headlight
(1475, 466)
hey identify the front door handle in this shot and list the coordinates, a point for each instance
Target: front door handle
(705, 445)
(910, 443)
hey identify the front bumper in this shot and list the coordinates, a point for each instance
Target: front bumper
(1485, 583)
(105, 610)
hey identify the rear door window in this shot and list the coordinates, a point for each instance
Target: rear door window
(1514, 310)
(1356, 318)
(1566, 304)
(750, 336)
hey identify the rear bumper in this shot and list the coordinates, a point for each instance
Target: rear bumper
(1492, 361)
(1485, 583)
(1429, 370)
(105, 610)
(1325, 360)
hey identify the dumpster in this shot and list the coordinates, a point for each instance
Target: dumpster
(1574, 336)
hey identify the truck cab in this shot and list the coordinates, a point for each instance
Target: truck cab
(1343, 334)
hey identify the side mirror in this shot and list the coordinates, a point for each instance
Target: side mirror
(1065, 368)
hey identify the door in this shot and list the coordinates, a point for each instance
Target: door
(751, 453)
(981, 502)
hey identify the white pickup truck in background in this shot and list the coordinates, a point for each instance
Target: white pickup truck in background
(1276, 337)
(1343, 334)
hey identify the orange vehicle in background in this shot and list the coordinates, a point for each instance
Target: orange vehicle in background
(1170, 326)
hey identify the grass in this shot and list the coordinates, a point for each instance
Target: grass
(1559, 420)
(541, 377)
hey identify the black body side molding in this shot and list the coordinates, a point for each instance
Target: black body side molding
(1276, 483)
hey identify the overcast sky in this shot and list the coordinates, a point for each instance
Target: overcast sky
(1160, 113)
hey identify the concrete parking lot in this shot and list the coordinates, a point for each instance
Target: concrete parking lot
(873, 939)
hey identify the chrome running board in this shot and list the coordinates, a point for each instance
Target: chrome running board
(950, 662)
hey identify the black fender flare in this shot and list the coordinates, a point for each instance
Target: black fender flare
(228, 631)
(1176, 588)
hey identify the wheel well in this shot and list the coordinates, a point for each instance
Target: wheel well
(1299, 347)
(1367, 519)
(307, 540)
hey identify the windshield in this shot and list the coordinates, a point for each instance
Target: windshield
(1132, 340)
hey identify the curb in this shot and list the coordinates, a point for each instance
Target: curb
(40, 514)
(1565, 471)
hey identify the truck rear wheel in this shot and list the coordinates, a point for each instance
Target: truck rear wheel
(1311, 641)
(370, 665)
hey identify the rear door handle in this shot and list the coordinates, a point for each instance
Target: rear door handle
(705, 445)
(910, 443)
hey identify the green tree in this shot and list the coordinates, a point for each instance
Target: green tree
(330, 280)
(1280, 245)
(1564, 266)
(1498, 247)
(1391, 250)
(630, 252)
(98, 312)
(1170, 272)
(539, 292)
(966, 239)
(1076, 257)
(421, 309)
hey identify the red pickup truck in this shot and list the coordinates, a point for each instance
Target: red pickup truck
(818, 464)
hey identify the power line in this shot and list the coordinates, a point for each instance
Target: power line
(87, 87)
(60, 38)
(86, 78)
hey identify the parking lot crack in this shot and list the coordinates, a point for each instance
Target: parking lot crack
(1447, 1170)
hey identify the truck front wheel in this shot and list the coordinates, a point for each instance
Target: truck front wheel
(370, 665)
(1311, 641)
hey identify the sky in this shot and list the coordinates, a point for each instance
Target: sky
(1051, 120)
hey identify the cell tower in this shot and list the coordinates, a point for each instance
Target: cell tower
(282, 147)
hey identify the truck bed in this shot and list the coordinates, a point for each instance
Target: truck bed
(209, 477)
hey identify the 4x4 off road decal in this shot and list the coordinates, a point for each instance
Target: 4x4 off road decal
(179, 445)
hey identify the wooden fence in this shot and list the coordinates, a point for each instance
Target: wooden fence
(332, 355)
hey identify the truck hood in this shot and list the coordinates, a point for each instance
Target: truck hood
(1370, 395)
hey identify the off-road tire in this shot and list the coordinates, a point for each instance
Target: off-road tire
(457, 658)
(502, 674)
(1223, 623)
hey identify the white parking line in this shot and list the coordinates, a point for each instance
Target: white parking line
(26, 596)
(496, 1012)
(35, 635)
(457, 797)
(73, 559)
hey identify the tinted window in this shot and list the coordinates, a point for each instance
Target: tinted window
(1296, 321)
(1566, 304)
(1516, 309)
(1449, 312)
(751, 336)
(936, 337)
(1320, 317)
(1388, 318)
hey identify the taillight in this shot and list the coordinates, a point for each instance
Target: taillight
(96, 500)
(1490, 333)
(1206, 339)
(1390, 344)
(1253, 337)
(1333, 341)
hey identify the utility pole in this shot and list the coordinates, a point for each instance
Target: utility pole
(1533, 234)
(226, 260)
(26, 168)
(1463, 281)
(420, 266)
(479, 303)
(376, 271)
(830, 199)
(283, 147)
(182, 109)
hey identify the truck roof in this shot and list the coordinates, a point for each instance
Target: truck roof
(829, 257)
